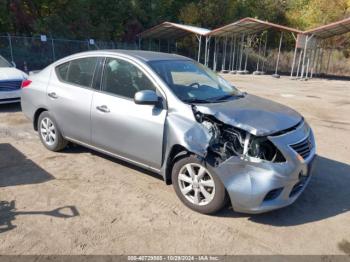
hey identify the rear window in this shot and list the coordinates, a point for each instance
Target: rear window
(79, 72)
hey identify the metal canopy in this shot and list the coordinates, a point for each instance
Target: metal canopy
(168, 30)
(330, 30)
(249, 26)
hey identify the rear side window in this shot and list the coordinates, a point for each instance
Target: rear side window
(78, 72)
(62, 71)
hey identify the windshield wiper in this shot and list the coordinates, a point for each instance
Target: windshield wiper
(197, 100)
(226, 97)
(214, 99)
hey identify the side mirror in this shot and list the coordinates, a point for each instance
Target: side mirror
(146, 97)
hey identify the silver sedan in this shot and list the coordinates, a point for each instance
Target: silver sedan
(172, 115)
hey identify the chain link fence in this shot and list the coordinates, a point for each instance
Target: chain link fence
(34, 53)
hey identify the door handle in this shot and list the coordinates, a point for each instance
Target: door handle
(103, 108)
(53, 95)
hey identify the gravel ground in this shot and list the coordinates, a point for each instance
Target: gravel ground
(82, 202)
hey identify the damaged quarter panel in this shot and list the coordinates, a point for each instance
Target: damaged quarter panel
(187, 133)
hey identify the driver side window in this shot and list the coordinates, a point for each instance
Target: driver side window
(124, 79)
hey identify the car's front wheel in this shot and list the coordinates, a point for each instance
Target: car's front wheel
(49, 133)
(197, 187)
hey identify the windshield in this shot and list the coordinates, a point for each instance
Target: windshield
(4, 63)
(193, 83)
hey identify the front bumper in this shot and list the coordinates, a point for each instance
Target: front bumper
(10, 96)
(261, 186)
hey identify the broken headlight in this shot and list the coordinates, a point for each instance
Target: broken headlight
(227, 141)
(232, 141)
(262, 148)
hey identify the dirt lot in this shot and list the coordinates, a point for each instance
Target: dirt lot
(81, 202)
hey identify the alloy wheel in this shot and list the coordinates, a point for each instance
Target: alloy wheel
(196, 184)
(47, 131)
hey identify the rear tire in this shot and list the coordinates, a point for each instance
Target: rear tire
(197, 187)
(49, 133)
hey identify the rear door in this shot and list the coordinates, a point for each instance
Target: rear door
(120, 126)
(70, 95)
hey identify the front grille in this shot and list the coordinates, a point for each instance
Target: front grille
(303, 148)
(10, 85)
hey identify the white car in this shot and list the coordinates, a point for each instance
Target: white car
(10, 82)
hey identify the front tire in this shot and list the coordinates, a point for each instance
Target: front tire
(49, 133)
(197, 187)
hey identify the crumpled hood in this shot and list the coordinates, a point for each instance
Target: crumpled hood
(11, 73)
(253, 114)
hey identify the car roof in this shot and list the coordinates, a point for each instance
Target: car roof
(145, 56)
(151, 56)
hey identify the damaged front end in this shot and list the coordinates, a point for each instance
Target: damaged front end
(260, 173)
(227, 141)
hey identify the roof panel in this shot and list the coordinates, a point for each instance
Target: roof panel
(330, 30)
(169, 30)
(249, 26)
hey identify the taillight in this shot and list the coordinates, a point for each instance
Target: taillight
(25, 83)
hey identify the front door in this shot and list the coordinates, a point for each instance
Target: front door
(120, 126)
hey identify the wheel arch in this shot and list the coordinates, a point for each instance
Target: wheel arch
(36, 117)
(177, 151)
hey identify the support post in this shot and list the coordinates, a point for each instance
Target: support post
(304, 57)
(278, 57)
(259, 54)
(199, 47)
(241, 53)
(249, 39)
(206, 51)
(234, 56)
(307, 67)
(300, 54)
(215, 54)
(265, 49)
(313, 62)
(257, 72)
(231, 50)
(319, 72)
(10, 45)
(223, 68)
(329, 60)
(53, 50)
(208, 57)
(317, 60)
(246, 59)
(294, 58)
